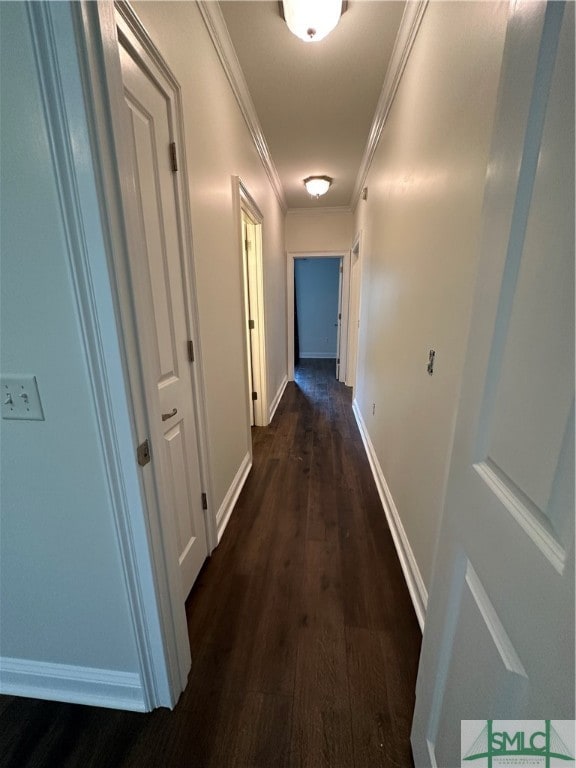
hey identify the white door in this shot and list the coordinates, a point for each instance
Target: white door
(249, 314)
(499, 636)
(354, 314)
(339, 322)
(158, 283)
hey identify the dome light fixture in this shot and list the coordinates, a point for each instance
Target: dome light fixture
(312, 20)
(317, 185)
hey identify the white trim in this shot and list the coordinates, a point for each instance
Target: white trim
(354, 307)
(277, 397)
(218, 31)
(407, 31)
(318, 355)
(324, 209)
(227, 506)
(412, 574)
(431, 753)
(77, 685)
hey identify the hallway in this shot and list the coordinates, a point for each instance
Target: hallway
(304, 640)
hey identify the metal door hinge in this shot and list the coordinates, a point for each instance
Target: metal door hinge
(173, 158)
(143, 453)
(254, 395)
(338, 361)
(204, 501)
(341, 269)
(247, 244)
(251, 324)
(190, 350)
(339, 315)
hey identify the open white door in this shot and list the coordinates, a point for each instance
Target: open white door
(159, 285)
(499, 635)
(339, 323)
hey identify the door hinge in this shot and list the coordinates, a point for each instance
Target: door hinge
(339, 315)
(173, 158)
(190, 350)
(143, 453)
(204, 501)
(251, 324)
(341, 269)
(338, 361)
(254, 395)
(247, 244)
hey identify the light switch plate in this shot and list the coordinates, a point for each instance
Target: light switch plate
(20, 397)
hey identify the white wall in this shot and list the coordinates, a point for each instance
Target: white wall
(319, 230)
(420, 229)
(219, 146)
(317, 282)
(62, 592)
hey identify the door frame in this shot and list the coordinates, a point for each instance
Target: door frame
(343, 328)
(354, 310)
(244, 202)
(146, 545)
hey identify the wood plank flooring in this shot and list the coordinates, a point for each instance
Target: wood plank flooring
(304, 641)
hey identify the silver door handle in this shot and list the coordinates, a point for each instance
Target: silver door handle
(166, 416)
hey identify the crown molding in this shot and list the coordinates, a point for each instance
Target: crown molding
(407, 31)
(324, 209)
(218, 31)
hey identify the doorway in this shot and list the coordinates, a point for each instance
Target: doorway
(317, 309)
(342, 315)
(251, 222)
(354, 311)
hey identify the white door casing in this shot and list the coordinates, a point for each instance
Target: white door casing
(247, 315)
(499, 636)
(339, 345)
(250, 223)
(158, 277)
(354, 311)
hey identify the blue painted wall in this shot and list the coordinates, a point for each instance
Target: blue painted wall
(317, 282)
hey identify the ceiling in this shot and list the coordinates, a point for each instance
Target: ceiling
(315, 101)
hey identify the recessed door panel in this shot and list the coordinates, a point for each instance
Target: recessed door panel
(158, 278)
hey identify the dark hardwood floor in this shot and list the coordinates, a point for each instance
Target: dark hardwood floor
(304, 640)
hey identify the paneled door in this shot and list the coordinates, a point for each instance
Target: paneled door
(159, 288)
(499, 636)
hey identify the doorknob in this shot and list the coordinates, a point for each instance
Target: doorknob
(166, 416)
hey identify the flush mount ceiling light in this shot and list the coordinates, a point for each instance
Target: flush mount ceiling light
(317, 185)
(312, 20)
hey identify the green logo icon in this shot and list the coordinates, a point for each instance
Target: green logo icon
(542, 742)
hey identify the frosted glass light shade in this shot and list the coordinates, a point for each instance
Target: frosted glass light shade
(317, 185)
(312, 20)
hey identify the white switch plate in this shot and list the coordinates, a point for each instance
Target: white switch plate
(20, 398)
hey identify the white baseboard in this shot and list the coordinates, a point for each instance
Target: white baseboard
(277, 398)
(318, 355)
(77, 685)
(227, 506)
(412, 574)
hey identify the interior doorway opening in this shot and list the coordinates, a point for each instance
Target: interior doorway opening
(250, 225)
(317, 309)
(324, 279)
